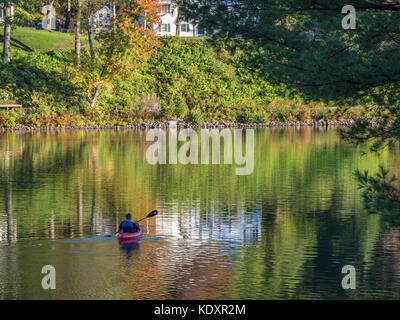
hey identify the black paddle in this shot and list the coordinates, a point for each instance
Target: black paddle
(151, 214)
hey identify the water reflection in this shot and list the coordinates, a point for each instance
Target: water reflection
(8, 231)
(129, 247)
(235, 226)
(285, 231)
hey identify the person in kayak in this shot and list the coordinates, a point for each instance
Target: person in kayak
(128, 225)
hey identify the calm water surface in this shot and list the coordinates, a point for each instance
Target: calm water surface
(284, 231)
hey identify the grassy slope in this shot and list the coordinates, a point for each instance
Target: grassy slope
(29, 39)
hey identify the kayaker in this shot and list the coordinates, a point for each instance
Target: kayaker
(128, 225)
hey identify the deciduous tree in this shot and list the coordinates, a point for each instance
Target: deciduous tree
(127, 45)
(92, 7)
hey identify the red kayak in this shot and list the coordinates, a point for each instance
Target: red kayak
(127, 236)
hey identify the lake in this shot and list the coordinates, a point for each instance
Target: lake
(282, 232)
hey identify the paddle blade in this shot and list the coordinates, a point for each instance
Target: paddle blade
(152, 214)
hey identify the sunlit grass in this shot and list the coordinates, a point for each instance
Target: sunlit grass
(31, 39)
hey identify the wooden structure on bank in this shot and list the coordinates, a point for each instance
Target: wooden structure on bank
(10, 106)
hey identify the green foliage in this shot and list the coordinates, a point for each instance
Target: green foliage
(38, 81)
(209, 80)
(7, 120)
(30, 6)
(379, 192)
(249, 115)
(196, 80)
(304, 46)
(25, 18)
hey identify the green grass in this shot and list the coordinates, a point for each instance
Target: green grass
(29, 39)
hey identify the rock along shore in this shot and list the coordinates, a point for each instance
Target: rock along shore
(182, 124)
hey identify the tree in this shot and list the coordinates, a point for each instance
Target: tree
(127, 45)
(114, 12)
(6, 7)
(78, 33)
(89, 28)
(303, 45)
(92, 7)
(68, 15)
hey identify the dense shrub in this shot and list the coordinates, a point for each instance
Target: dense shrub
(193, 79)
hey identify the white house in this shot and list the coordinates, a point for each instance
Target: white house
(169, 19)
(2, 13)
(101, 19)
(170, 24)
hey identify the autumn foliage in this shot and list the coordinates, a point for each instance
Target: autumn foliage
(127, 44)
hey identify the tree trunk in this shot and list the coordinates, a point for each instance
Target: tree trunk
(68, 15)
(178, 27)
(90, 33)
(114, 9)
(95, 96)
(91, 44)
(7, 33)
(98, 87)
(78, 34)
(114, 13)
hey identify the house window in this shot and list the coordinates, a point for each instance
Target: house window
(185, 27)
(165, 27)
(166, 8)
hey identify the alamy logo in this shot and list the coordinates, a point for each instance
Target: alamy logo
(349, 20)
(349, 280)
(49, 280)
(189, 151)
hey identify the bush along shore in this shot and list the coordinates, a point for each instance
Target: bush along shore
(180, 124)
(202, 81)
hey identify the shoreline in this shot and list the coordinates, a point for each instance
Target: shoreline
(183, 124)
